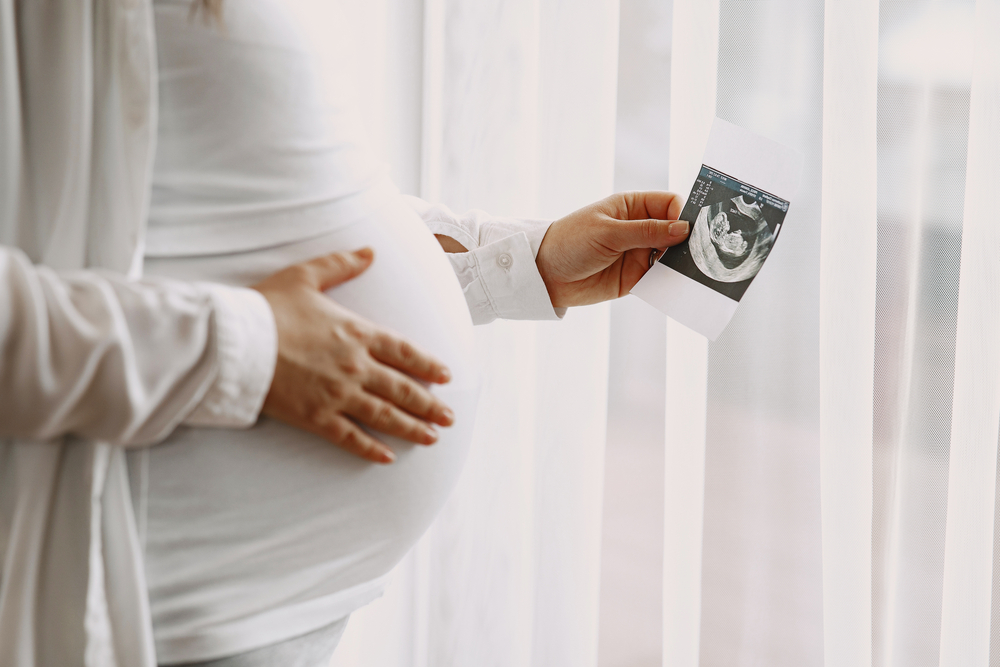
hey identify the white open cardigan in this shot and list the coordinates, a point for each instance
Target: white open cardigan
(77, 133)
(117, 361)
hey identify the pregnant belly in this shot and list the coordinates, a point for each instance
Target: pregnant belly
(260, 535)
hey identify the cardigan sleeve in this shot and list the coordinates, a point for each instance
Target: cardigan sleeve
(497, 273)
(92, 354)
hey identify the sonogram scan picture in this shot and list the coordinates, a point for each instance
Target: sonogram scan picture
(734, 226)
(736, 209)
(730, 239)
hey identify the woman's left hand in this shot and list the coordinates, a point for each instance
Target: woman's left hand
(601, 251)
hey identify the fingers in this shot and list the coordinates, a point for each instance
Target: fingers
(408, 395)
(656, 205)
(644, 220)
(407, 357)
(387, 418)
(630, 234)
(337, 268)
(349, 436)
(330, 377)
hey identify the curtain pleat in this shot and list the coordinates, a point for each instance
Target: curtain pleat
(969, 557)
(762, 548)
(847, 326)
(923, 114)
(517, 117)
(578, 56)
(692, 108)
(481, 551)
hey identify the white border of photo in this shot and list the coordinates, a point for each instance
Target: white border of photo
(745, 156)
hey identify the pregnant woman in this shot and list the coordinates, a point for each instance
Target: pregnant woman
(223, 544)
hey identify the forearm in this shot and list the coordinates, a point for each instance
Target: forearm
(494, 259)
(450, 245)
(594, 254)
(98, 356)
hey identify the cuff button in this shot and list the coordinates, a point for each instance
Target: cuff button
(505, 261)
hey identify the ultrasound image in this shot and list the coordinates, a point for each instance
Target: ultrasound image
(733, 228)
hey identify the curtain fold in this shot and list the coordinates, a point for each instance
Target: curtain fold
(517, 117)
(578, 56)
(969, 541)
(762, 547)
(847, 326)
(481, 550)
(692, 109)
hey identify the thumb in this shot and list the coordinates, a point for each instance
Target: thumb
(339, 267)
(651, 233)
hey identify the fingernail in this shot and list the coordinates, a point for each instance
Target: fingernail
(679, 228)
(449, 416)
(444, 376)
(388, 456)
(364, 253)
(430, 436)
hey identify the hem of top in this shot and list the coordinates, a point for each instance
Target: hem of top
(267, 628)
(243, 233)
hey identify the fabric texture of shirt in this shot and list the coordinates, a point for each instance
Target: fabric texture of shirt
(498, 273)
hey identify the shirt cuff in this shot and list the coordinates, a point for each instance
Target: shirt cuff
(500, 280)
(246, 342)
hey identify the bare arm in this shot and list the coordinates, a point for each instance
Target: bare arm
(449, 244)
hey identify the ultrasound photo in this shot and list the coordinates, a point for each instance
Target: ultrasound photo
(733, 228)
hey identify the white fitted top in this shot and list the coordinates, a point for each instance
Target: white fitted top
(255, 145)
(253, 537)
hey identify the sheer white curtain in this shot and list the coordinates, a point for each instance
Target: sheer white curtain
(743, 565)
(909, 567)
(853, 406)
(508, 106)
(831, 461)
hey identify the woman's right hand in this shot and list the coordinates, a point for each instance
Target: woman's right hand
(336, 369)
